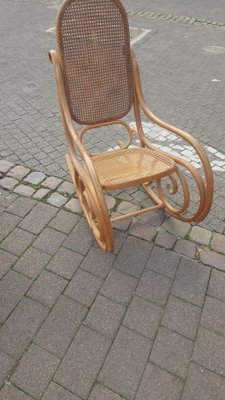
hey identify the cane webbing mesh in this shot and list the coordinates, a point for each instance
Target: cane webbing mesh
(94, 47)
(132, 165)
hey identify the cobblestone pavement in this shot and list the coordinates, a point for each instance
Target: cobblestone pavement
(144, 323)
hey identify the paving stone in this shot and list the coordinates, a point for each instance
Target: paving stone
(182, 317)
(20, 327)
(18, 172)
(218, 242)
(64, 221)
(35, 371)
(8, 183)
(67, 187)
(200, 235)
(21, 206)
(56, 392)
(133, 256)
(12, 288)
(24, 190)
(74, 206)
(154, 287)
(17, 242)
(98, 262)
(110, 201)
(10, 392)
(186, 248)
(165, 240)
(125, 207)
(38, 218)
(7, 260)
(216, 286)
(83, 287)
(7, 223)
(191, 281)
(209, 351)
(125, 363)
(119, 239)
(41, 193)
(51, 182)
(176, 227)
(35, 178)
(82, 362)
(7, 364)
(61, 326)
(32, 262)
(122, 225)
(56, 199)
(6, 198)
(5, 165)
(157, 384)
(65, 263)
(163, 261)
(47, 288)
(143, 317)
(49, 240)
(100, 392)
(152, 218)
(203, 384)
(105, 316)
(119, 287)
(80, 239)
(213, 259)
(142, 231)
(213, 316)
(172, 352)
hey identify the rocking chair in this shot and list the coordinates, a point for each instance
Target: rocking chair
(98, 83)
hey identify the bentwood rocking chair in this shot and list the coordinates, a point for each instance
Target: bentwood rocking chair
(98, 83)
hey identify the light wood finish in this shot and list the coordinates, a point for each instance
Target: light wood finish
(127, 166)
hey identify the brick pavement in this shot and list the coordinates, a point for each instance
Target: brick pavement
(146, 322)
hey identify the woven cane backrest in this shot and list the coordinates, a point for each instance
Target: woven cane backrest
(94, 49)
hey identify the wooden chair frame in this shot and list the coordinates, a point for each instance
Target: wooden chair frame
(89, 189)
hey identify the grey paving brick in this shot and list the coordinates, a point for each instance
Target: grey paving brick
(119, 239)
(5, 165)
(57, 199)
(57, 392)
(8, 183)
(172, 352)
(74, 206)
(61, 326)
(176, 227)
(38, 217)
(6, 198)
(24, 190)
(203, 384)
(12, 288)
(216, 286)
(191, 281)
(47, 288)
(121, 225)
(35, 371)
(218, 242)
(209, 351)
(32, 262)
(7, 260)
(6, 366)
(64, 221)
(165, 240)
(182, 317)
(105, 316)
(186, 248)
(41, 193)
(213, 315)
(35, 178)
(18, 241)
(157, 384)
(49, 240)
(125, 363)
(154, 287)
(143, 231)
(163, 261)
(133, 256)
(66, 187)
(84, 287)
(98, 263)
(51, 182)
(21, 206)
(8, 223)
(20, 327)
(80, 239)
(100, 392)
(65, 263)
(125, 207)
(201, 235)
(10, 392)
(110, 201)
(119, 287)
(152, 218)
(143, 317)
(18, 172)
(213, 259)
(82, 362)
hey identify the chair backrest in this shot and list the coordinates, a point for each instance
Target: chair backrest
(94, 50)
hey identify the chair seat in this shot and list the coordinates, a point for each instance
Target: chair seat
(121, 168)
